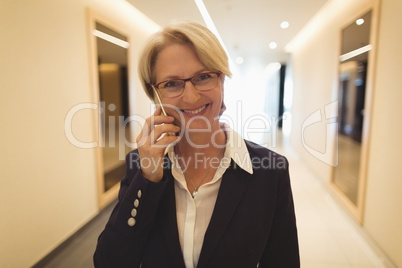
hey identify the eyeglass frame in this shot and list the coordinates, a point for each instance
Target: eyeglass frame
(156, 86)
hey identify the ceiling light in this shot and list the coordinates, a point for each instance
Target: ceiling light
(359, 21)
(239, 60)
(208, 21)
(272, 45)
(272, 67)
(284, 24)
(111, 39)
(355, 53)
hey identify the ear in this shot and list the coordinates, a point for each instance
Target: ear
(223, 108)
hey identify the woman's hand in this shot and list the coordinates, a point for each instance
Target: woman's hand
(152, 142)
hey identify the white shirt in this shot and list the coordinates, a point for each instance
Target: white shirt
(194, 214)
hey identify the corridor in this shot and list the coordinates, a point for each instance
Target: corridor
(328, 236)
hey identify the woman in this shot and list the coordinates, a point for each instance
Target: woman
(196, 194)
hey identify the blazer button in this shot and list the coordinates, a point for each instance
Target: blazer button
(139, 193)
(136, 203)
(134, 212)
(131, 222)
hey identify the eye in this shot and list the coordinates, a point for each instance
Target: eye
(202, 78)
(172, 84)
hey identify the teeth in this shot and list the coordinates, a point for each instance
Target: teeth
(195, 111)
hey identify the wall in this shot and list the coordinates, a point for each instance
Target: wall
(47, 185)
(315, 74)
(315, 60)
(383, 215)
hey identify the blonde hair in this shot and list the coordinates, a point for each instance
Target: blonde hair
(203, 41)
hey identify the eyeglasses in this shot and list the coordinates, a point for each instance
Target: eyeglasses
(175, 87)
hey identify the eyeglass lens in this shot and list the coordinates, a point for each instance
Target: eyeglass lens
(175, 87)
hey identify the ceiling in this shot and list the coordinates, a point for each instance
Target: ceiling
(246, 27)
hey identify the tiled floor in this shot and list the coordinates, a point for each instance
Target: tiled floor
(328, 237)
(79, 251)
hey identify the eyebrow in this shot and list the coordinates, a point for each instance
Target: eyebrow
(178, 77)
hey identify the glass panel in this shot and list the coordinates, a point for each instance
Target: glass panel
(351, 96)
(113, 92)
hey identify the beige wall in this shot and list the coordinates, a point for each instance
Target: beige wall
(47, 185)
(315, 72)
(383, 213)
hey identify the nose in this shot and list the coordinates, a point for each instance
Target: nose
(190, 93)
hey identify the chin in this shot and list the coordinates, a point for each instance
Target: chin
(198, 123)
(202, 123)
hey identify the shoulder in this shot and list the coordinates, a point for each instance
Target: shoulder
(264, 158)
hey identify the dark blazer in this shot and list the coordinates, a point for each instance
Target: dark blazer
(253, 221)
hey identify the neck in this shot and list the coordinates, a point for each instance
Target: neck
(202, 142)
(199, 163)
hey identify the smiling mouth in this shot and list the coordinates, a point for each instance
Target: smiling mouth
(195, 111)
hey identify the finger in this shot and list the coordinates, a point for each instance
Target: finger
(162, 119)
(161, 131)
(156, 133)
(158, 118)
(164, 141)
(156, 147)
(165, 129)
(155, 119)
(150, 121)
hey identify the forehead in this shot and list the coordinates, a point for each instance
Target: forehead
(177, 61)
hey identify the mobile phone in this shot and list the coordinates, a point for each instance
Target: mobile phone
(159, 102)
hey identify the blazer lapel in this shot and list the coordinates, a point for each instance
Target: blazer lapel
(234, 183)
(169, 223)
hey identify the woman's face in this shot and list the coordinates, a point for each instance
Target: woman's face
(196, 109)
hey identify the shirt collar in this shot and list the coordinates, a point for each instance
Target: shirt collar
(236, 149)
